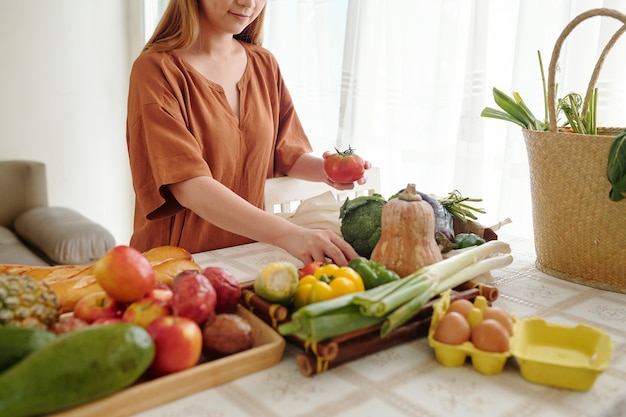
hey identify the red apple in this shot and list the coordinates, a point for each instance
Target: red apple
(161, 291)
(178, 344)
(124, 273)
(97, 305)
(194, 296)
(226, 287)
(145, 311)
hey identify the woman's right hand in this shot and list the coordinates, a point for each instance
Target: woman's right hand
(309, 245)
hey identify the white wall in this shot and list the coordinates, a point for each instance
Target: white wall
(63, 85)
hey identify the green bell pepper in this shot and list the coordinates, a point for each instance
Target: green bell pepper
(465, 240)
(372, 273)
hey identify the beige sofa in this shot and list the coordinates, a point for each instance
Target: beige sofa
(33, 233)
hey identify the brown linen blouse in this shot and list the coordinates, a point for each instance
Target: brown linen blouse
(180, 126)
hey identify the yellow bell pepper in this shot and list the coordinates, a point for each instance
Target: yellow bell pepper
(328, 281)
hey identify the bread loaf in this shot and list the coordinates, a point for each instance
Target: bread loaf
(43, 272)
(166, 271)
(71, 282)
(70, 290)
(162, 253)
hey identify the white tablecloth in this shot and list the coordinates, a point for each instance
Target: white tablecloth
(407, 380)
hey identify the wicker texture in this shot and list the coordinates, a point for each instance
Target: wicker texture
(579, 232)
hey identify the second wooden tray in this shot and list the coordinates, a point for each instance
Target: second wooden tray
(267, 351)
(321, 356)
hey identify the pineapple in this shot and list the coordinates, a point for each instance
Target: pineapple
(26, 302)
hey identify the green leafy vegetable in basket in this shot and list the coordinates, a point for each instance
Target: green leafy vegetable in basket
(514, 109)
(616, 169)
(579, 119)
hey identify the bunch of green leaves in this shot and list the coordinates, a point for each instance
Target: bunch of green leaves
(571, 106)
(515, 110)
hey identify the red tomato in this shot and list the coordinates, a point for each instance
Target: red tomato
(344, 167)
(309, 268)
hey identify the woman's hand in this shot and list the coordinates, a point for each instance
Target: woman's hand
(309, 245)
(305, 244)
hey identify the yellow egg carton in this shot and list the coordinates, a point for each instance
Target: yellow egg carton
(487, 363)
(569, 357)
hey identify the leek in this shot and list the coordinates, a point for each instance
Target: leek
(334, 323)
(380, 303)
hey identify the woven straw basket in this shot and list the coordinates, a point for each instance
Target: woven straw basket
(580, 234)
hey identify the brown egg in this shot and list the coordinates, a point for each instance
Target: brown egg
(461, 306)
(490, 336)
(452, 329)
(500, 315)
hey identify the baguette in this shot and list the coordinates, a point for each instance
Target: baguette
(42, 272)
(70, 290)
(72, 282)
(167, 270)
(162, 253)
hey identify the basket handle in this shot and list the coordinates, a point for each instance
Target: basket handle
(557, 50)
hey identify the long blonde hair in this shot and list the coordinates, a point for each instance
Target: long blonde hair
(179, 28)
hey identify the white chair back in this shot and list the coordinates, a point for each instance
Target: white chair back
(284, 194)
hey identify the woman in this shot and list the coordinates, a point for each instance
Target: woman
(209, 119)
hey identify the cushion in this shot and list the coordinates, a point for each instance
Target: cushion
(13, 251)
(64, 235)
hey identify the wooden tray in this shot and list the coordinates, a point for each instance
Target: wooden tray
(320, 356)
(267, 351)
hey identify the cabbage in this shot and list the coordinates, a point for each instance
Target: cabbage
(361, 222)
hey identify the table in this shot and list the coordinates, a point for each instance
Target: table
(406, 380)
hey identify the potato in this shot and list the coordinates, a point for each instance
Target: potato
(226, 333)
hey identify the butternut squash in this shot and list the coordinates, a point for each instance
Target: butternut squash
(407, 240)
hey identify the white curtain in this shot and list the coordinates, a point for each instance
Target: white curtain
(404, 83)
(416, 74)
